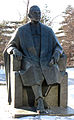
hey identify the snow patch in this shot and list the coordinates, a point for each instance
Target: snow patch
(2, 71)
(70, 72)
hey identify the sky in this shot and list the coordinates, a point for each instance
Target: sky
(14, 9)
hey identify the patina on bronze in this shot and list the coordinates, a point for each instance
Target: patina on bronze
(37, 46)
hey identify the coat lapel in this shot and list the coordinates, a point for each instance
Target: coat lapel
(44, 40)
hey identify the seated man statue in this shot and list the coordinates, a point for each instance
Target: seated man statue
(40, 51)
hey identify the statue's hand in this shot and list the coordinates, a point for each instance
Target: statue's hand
(56, 56)
(51, 62)
(17, 54)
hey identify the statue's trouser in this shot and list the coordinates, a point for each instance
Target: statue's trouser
(37, 89)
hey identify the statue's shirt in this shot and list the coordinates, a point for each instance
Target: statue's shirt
(36, 34)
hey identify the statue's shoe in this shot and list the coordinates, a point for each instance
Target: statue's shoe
(40, 108)
(42, 111)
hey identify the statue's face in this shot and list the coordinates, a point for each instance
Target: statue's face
(35, 13)
(35, 16)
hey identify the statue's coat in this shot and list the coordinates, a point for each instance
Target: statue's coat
(34, 70)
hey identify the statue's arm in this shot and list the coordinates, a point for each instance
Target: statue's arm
(56, 45)
(57, 49)
(13, 46)
(14, 43)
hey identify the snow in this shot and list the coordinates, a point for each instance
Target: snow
(70, 72)
(60, 34)
(2, 77)
(2, 71)
(70, 87)
(46, 117)
(5, 34)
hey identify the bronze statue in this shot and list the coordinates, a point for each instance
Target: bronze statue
(40, 51)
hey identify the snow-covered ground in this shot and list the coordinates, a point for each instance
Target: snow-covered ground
(70, 87)
(3, 100)
(2, 77)
(70, 72)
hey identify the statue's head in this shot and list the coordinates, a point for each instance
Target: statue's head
(35, 13)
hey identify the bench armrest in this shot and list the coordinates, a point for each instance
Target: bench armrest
(15, 64)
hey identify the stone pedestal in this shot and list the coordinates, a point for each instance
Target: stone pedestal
(53, 111)
(64, 91)
(52, 98)
(16, 90)
(23, 96)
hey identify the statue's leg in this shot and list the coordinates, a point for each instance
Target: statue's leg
(37, 89)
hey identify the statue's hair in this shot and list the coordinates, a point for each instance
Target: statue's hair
(34, 8)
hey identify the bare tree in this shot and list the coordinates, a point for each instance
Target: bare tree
(67, 40)
(25, 20)
(28, 1)
(6, 30)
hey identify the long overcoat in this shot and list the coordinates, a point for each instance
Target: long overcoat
(34, 69)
